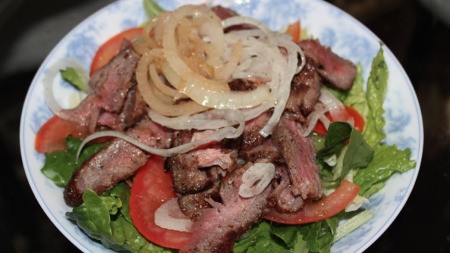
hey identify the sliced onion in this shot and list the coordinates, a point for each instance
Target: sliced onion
(212, 119)
(256, 179)
(331, 103)
(157, 100)
(50, 76)
(176, 62)
(164, 217)
(215, 98)
(289, 69)
(229, 132)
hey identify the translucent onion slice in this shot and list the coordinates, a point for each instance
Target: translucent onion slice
(157, 100)
(212, 119)
(236, 116)
(218, 99)
(49, 79)
(174, 59)
(238, 20)
(164, 217)
(289, 68)
(331, 103)
(160, 85)
(256, 179)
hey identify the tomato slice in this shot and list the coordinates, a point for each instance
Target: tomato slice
(344, 116)
(51, 136)
(319, 210)
(294, 29)
(111, 47)
(152, 186)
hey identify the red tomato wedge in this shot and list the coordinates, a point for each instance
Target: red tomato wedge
(52, 134)
(344, 116)
(152, 186)
(320, 210)
(294, 29)
(112, 47)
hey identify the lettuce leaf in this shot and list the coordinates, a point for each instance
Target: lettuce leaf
(356, 96)
(387, 160)
(376, 93)
(106, 218)
(60, 165)
(278, 238)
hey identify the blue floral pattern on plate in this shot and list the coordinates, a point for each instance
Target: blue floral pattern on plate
(330, 25)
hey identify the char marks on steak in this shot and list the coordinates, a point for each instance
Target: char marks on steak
(117, 161)
(218, 227)
(110, 86)
(299, 154)
(338, 71)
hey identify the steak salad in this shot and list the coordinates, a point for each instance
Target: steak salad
(204, 131)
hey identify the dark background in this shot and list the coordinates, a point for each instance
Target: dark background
(419, 38)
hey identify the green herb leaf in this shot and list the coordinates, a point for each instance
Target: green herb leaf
(75, 77)
(152, 8)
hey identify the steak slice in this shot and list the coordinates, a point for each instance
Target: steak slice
(299, 154)
(218, 227)
(338, 71)
(305, 90)
(115, 162)
(282, 198)
(190, 170)
(193, 205)
(110, 86)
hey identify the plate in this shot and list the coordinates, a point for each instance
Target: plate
(333, 27)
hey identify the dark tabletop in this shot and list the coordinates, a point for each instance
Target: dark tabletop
(417, 37)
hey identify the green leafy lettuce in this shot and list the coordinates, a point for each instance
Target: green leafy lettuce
(60, 165)
(278, 238)
(106, 218)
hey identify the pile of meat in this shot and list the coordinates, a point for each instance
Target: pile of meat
(207, 180)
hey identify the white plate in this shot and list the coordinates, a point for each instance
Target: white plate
(330, 25)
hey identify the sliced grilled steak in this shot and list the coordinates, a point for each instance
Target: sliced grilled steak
(110, 86)
(251, 137)
(281, 197)
(115, 163)
(305, 90)
(133, 111)
(338, 71)
(193, 205)
(299, 154)
(189, 170)
(187, 177)
(266, 150)
(218, 227)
